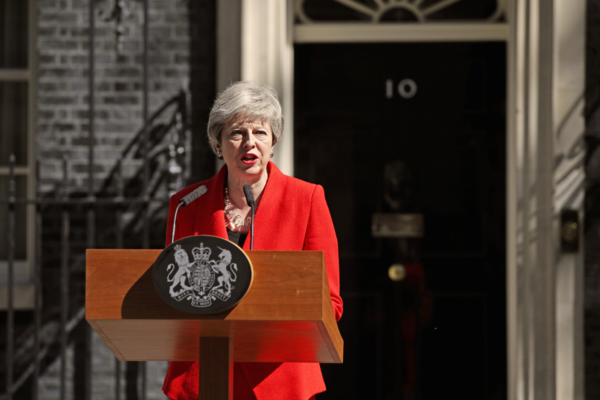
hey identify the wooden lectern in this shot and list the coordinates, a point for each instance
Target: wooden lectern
(286, 316)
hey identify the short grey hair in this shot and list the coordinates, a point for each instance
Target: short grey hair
(259, 101)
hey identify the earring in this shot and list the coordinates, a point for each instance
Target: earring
(272, 154)
(220, 154)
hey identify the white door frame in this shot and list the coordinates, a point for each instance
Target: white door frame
(545, 56)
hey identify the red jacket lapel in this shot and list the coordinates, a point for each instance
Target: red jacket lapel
(209, 212)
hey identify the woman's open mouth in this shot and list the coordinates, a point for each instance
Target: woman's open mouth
(249, 158)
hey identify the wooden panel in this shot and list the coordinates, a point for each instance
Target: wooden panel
(216, 364)
(274, 341)
(110, 274)
(286, 315)
(287, 286)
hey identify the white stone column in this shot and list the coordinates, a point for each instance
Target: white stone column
(268, 57)
(229, 48)
(569, 152)
(545, 175)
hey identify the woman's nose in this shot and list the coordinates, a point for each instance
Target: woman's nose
(249, 140)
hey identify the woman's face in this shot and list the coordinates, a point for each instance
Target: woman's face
(246, 144)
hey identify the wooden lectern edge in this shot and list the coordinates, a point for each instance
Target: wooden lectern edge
(106, 340)
(332, 336)
(335, 352)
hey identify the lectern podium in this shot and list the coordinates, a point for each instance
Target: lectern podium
(286, 316)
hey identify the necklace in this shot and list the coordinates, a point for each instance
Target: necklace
(233, 220)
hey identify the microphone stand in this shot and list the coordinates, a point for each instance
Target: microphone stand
(252, 203)
(252, 227)
(187, 199)
(175, 219)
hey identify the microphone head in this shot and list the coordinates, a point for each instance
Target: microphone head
(193, 195)
(249, 196)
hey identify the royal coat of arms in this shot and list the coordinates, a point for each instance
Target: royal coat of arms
(195, 279)
(205, 279)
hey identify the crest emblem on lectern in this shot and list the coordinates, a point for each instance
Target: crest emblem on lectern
(196, 279)
(207, 279)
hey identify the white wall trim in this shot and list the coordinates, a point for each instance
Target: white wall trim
(23, 297)
(429, 32)
(15, 74)
(23, 269)
(515, 78)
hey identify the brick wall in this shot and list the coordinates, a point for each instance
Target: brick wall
(62, 128)
(592, 209)
(175, 27)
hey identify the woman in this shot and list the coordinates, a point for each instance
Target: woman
(244, 125)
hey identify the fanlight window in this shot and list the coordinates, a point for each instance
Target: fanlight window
(399, 11)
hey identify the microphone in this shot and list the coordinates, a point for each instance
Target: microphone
(252, 204)
(185, 200)
(193, 195)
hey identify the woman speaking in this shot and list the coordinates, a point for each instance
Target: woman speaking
(244, 125)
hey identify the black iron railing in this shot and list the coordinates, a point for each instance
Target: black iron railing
(119, 212)
(143, 197)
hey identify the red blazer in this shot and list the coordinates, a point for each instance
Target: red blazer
(293, 215)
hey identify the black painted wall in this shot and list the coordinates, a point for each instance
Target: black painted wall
(203, 74)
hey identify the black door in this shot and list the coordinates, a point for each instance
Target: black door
(412, 128)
